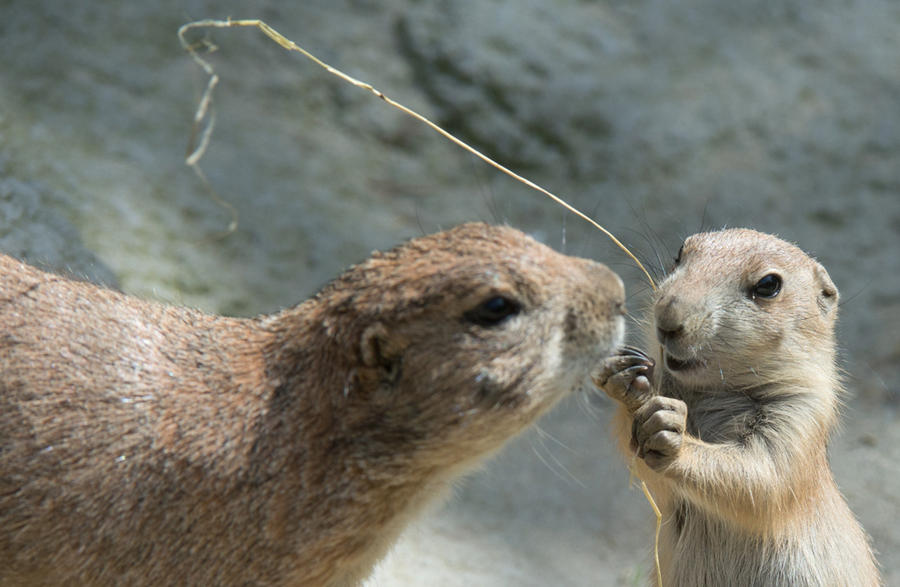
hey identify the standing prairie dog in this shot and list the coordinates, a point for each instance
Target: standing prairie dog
(731, 427)
(149, 445)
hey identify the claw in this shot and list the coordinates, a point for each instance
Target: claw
(636, 352)
(613, 365)
(620, 362)
(626, 376)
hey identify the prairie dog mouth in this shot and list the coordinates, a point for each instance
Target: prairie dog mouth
(677, 365)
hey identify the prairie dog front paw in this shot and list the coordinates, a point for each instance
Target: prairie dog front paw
(658, 431)
(625, 377)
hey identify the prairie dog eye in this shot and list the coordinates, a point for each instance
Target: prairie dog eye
(493, 311)
(678, 256)
(768, 287)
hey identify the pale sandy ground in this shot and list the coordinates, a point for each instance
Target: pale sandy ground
(659, 118)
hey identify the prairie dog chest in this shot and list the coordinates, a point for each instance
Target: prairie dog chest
(722, 416)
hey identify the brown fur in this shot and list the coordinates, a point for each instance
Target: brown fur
(731, 426)
(151, 445)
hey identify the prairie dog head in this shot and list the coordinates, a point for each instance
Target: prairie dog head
(742, 309)
(465, 337)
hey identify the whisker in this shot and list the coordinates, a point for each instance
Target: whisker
(568, 477)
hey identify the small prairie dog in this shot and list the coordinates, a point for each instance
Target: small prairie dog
(731, 426)
(149, 445)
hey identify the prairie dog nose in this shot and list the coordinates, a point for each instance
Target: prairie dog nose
(669, 318)
(608, 284)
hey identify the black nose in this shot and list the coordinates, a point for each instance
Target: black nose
(668, 314)
(668, 333)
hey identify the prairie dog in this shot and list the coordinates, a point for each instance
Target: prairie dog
(731, 426)
(148, 445)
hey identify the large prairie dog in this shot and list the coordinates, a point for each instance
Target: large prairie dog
(731, 427)
(150, 445)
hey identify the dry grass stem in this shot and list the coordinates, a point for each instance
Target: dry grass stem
(658, 514)
(206, 100)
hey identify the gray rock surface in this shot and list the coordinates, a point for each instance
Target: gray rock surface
(658, 118)
(33, 229)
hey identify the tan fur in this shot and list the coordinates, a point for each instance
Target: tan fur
(150, 445)
(732, 424)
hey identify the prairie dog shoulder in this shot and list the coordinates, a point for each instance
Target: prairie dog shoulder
(731, 420)
(141, 443)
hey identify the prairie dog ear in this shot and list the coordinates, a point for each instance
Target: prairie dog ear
(826, 294)
(380, 350)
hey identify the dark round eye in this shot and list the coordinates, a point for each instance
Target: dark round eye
(767, 287)
(678, 256)
(493, 311)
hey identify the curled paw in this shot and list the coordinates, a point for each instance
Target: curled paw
(626, 376)
(657, 432)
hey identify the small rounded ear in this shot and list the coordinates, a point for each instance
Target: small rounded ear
(380, 350)
(827, 294)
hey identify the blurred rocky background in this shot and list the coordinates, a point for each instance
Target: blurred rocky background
(657, 118)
